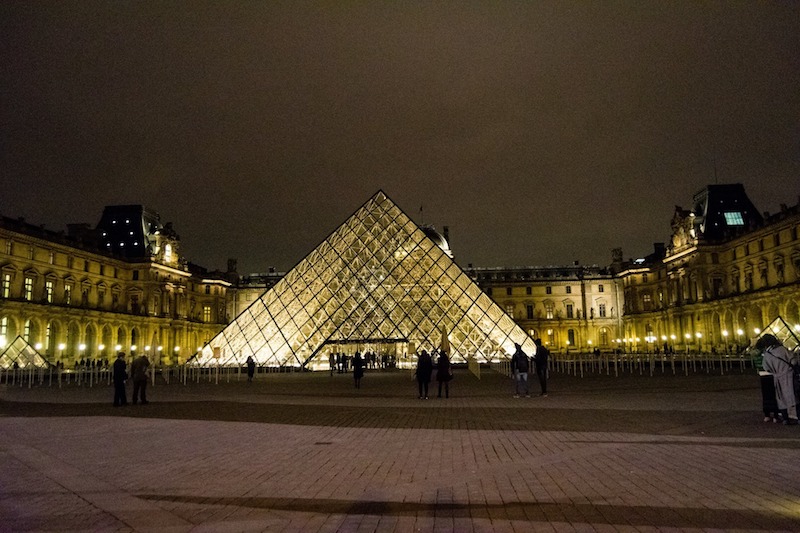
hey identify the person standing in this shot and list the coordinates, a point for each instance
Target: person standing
(139, 371)
(251, 368)
(444, 373)
(120, 376)
(423, 373)
(780, 363)
(542, 356)
(332, 362)
(358, 369)
(520, 364)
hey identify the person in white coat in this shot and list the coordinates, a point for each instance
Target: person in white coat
(780, 362)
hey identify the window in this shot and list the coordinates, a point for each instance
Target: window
(6, 289)
(570, 312)
(571, 337)
(31, 252)
(26, 332)
(548, 290)
(85, 265)
(510, 310)
(48, 291)
(644, 278)
(734, 218)
(52, 258)
(206, 313)
(600, 288)
(167, 253)
(569, 289)
(208, 289)
(529, 311)
(4, 327)
(508, 291)
(528, 291)
(28, 289)
(68, 293)
(601, 310)
(551, 337)
(776, 239)
(9, 247)
(135, 275)
(646, 302)
(488, 291)
(102, 270)
(549, 311)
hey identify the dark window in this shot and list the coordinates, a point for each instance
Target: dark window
(508, 291)
(135, 274)
(529, 311)
(569, 289)
(528, 290)
(548, 290)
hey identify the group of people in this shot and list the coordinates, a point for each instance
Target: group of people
(424, 372)
(779, 385)
(343, 363)
(120, 376)
(520, 366)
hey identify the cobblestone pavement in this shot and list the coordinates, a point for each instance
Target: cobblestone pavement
(308, 452)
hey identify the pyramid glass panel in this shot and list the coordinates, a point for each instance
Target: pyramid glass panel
(377, 280)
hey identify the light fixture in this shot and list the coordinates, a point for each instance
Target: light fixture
(62, 346)
(724, 332)
(101, 347)
(117, 347)
(81, 347)
(176, 349)
(757, 330)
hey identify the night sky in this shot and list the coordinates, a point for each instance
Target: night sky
(541, 133)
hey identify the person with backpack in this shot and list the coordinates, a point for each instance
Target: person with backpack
(780, 362)
(520, 364)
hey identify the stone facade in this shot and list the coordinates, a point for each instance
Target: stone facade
(72, 299)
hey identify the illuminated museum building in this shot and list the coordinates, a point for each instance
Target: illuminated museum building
(123, 285)
(726, 271)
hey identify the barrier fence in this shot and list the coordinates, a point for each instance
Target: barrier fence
(577, 364)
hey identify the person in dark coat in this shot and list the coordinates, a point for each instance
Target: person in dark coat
(780, 362)
(251, 367)
(542, 356)
(358, 369)
(139, 370)
(444, 373)
(423, 373)
(120, 376)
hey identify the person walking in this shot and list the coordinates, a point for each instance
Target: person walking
(520, 364)
(120, 376)
(780, 362)
(423, 373)
(139, 373)
(358, 369)
(541, 358)
(444, 373)
(251, 368)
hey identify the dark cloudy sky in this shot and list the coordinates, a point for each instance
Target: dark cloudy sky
(539, 132)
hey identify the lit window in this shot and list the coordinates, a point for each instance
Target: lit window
(167, 252)
(4, 326)
(28, 289)
(6, 289)
(48, 291)
(510, 310)
(206, 313)
(570, 311)
(734, 218)
(9, 247)
(68, 293)
(26, 332)
(549, 311)
(601, 310)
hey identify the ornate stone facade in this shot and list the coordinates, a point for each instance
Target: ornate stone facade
(727, 272)
(73, 299)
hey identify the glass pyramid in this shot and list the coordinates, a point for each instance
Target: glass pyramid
(783, 333)
(23, 354)
(376, 281)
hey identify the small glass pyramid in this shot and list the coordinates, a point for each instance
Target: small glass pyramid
(23, 354)
(377, 280)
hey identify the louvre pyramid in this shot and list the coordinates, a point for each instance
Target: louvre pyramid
(377, 279)
(783, 333)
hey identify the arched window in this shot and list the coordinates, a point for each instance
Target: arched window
(167, 252)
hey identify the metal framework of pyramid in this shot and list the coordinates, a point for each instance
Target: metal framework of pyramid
(23, 354)
(376, 280)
